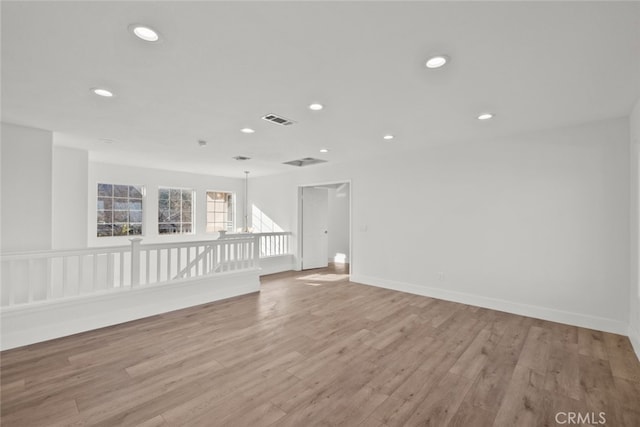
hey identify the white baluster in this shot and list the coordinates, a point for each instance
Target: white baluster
(80, 271)
(135, 261)
(64, 276)
(29, 281)
(147, 267)
(48, 280)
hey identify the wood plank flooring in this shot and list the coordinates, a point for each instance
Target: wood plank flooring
(314, 349)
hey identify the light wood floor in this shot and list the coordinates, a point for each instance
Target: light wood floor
(314, 349)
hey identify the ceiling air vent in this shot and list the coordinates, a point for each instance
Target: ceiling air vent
(242, 158)
(279, 120)
(307, 161)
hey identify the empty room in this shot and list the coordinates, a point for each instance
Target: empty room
(348, 213)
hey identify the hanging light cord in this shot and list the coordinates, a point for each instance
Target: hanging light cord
(246, 202)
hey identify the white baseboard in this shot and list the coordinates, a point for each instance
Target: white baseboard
(42, 321)
(544, 313)
(276, 264)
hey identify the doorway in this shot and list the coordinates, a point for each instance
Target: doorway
(325, 226)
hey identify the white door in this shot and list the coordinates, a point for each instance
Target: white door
(315, 213)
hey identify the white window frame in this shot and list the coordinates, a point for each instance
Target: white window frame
(232, 206)
(101, 213)
(171, 224)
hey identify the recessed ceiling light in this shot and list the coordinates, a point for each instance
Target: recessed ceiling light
(485, 116)
(107, 140)
(436, 61)
(388, 137)
(247, 130)
(316, 107)
(102, 92)
(145, 33)
(324, 150)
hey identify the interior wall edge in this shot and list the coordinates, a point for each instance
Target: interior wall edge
(634, 337)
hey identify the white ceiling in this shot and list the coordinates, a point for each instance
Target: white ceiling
(222, 65)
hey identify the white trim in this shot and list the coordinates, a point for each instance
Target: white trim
(299, 229)
(194, 209)
(570, 318)
(298, 262)
(206, 209)
(57, 318)
(634, 337)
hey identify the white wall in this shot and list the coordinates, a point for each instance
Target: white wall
(338, 238)
(634, 294)
(277, 196)
(536, 224)
(26, 188)
(152, 179)
(70, 175)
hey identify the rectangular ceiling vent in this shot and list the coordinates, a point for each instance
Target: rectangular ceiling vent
(307, 161)
(279, 120)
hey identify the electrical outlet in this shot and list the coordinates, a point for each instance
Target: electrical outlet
(441, 276)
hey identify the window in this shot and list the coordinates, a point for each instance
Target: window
(119, 210)
(219, 211)
(175, 211)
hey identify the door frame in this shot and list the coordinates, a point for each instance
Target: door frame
(298, 265)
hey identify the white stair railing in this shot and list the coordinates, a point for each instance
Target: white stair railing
(275, 243)
(46, 275)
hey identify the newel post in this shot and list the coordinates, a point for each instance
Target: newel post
(135, 261)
